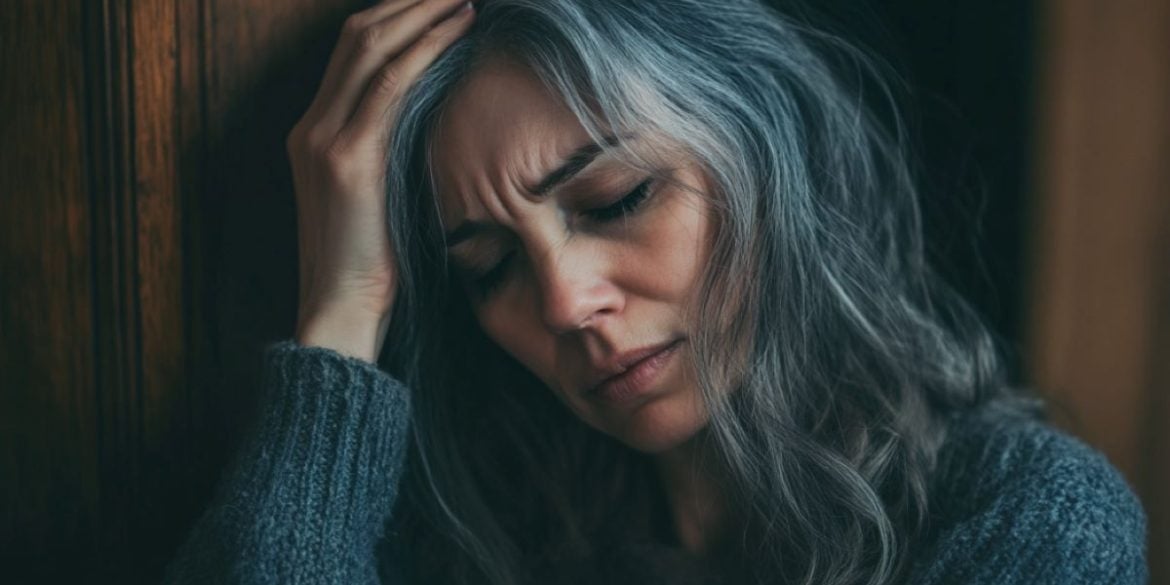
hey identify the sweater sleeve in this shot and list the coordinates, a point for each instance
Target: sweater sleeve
(308, 494)
(1041, 508)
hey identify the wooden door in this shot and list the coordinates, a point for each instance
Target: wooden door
(147, 238)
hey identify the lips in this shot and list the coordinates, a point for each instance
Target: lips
(602, 372)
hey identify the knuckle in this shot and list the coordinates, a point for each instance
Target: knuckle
(333, 160)
(342, 159)
(437, 38)
(386, 82)
(431, 42)
(354, 24)
(301, 140)
(368, 38)
(337, 162)
(317, 141)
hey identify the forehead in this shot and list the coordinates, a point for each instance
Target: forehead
(499, 132)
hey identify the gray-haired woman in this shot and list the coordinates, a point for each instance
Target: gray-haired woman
(650, 281)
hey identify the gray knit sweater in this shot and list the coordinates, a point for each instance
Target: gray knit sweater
(313, 486)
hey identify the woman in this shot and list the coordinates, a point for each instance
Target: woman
(652, 281)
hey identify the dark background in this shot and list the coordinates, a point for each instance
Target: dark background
(969, 68)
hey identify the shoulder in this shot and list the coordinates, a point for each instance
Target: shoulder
(1019, 501)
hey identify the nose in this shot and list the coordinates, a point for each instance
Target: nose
(576, 290)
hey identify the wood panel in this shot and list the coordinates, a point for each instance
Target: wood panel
(45, 286)
(146, 255)
(1100, 299)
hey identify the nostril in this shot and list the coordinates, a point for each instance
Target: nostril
(583, 309)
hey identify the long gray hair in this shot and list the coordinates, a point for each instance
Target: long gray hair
(846, 354)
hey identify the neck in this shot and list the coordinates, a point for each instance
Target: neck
(690, 481)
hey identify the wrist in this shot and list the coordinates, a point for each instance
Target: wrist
(348, 330)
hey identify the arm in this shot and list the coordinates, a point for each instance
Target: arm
(308, 495)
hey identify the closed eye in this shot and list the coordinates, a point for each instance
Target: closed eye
(623, 206)
(487, 282)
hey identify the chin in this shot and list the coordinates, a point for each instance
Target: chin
(663, 424)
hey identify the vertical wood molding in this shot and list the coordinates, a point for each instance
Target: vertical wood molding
(116, 340)
(157, 112)
(1101, 250)
(135, 130)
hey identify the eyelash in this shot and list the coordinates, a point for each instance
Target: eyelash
(625, 205)
(486, 283)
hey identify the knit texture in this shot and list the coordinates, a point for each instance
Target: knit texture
(1017, 501)
(308, 496)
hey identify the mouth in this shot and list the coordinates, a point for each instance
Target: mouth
(633, 373)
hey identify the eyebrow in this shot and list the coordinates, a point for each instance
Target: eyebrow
(570, 167)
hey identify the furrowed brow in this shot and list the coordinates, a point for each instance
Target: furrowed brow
(570, 167)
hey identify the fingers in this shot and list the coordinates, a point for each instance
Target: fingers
(390, 83)
(378, 12)
(369, 39)
(343, 51)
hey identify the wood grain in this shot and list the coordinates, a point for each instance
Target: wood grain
(46, 287)
(146, 257)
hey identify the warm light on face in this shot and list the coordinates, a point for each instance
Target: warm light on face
(572, 259)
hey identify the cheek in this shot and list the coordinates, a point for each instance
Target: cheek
(514, 331)
(672, 251)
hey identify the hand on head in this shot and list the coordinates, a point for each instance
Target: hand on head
(338, 152)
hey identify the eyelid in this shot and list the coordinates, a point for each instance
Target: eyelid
(487, 281)
(628, 203)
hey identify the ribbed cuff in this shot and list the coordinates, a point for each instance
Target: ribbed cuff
(342, 423)
(314, 483)
(323, 467)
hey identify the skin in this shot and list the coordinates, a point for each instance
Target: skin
(347, 270)
(569, 287)
(573, 295)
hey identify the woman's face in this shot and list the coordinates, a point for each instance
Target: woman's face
(573, 263)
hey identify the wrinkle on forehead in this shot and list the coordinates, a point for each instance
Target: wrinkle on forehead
(499, 132)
